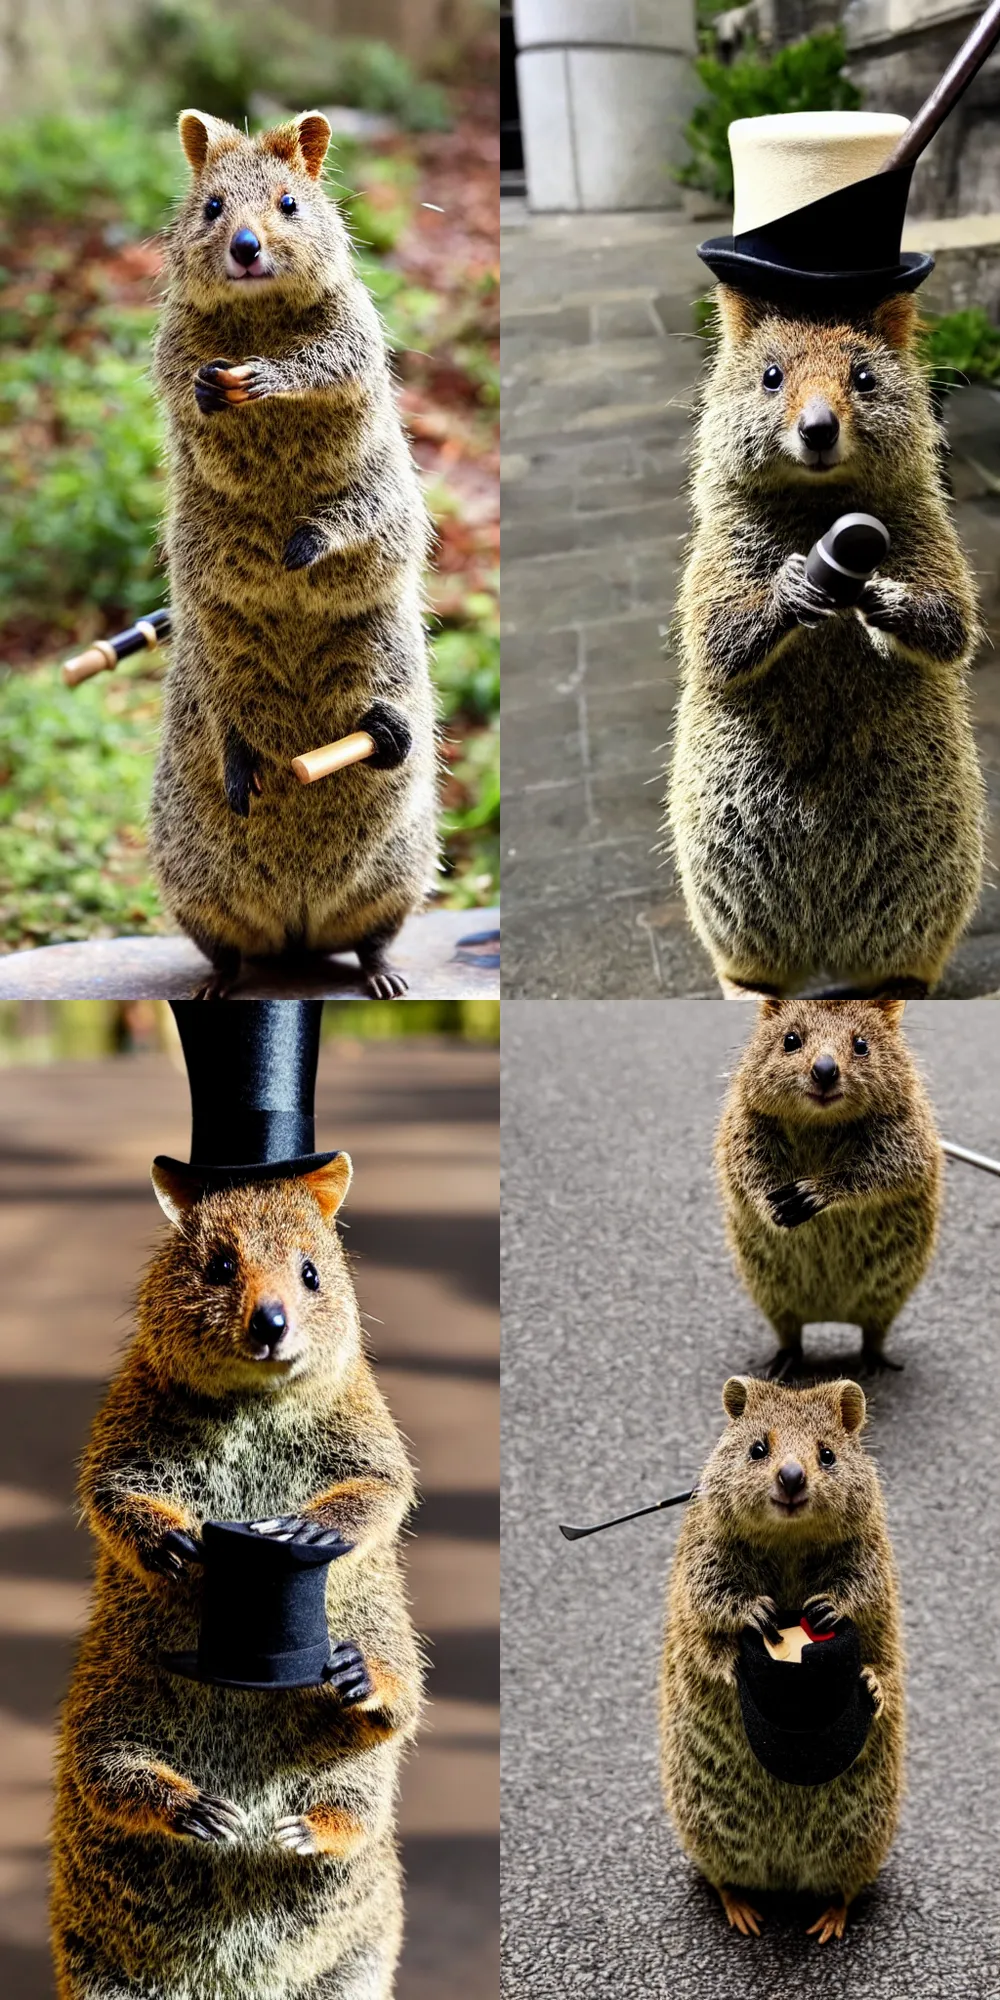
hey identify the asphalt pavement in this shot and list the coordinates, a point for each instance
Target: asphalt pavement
(622, 1318)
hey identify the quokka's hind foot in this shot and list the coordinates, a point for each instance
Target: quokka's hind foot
(747, 989)
(225, 960)
(903, 988)
(784, 1365)
(740, 1914)
(831, 1924)
(874, 1362)
(382, 979)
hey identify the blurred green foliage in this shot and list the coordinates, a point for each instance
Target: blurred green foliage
(86, 1030)
(75, 769)
(805, 76)
(110, 169)
(185, 52)
(960, 345)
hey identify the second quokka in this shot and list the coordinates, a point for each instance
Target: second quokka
(826, 801)
(830, 1170)
(297, 536)
(210, 1841)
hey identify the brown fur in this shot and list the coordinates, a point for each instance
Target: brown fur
(298, 1890)
(826, 802)
(867, 1168)
(270, 660)
(740, 1562)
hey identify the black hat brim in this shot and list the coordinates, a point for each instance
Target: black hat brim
(215, 1179)
(827, 291)
(187, 1664)
(811, 1752)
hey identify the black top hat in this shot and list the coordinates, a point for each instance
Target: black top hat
(805, 1722)
(252, 1072)
(263, 1620)
(836, 255)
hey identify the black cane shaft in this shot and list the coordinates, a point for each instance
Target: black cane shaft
(957, 77)
(675, 1500)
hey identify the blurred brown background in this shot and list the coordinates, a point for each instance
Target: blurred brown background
(77, 1220)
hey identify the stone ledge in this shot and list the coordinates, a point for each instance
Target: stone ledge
(429, 950)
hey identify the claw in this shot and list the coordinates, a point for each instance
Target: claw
(830, 1924)
(385, 983)
(296, 1835)
(210, 1819)
(740, 1914)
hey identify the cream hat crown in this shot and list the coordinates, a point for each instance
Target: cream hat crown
(781, 163)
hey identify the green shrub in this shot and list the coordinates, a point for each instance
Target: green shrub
(961, 344)
(106, 169)
(806, 76)
(195, 55)
(75, 770)
(78, 522)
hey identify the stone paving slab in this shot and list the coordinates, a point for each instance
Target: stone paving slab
(599, 364)
(445, 954)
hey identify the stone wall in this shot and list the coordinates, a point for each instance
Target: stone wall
(897, 51)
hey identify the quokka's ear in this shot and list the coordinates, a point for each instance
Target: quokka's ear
(314, 138)
(896, 320)
(330, 1184)
(890, 1010)
(300, 143)
(739, 316)
(734, 1395)
(176, 1191)
(853, 1407)
(200, 134)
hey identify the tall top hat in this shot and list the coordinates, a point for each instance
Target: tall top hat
(805, 1721)
(263, 1620)
(839, 247)
(252, 1073)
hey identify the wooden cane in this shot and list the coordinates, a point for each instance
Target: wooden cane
(382, 735)
(978, 45)
(105, 654)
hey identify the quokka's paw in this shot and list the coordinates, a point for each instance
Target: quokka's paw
(831, 1924)
(385, 983)
(884, 603)
(223, 385)
(205, 1818)
(174, 1554)
(764, 1615)
(299, 1528)
(305, 546)
(296, 1835)
(821, 1614)
(347, 1673)
(874, 1686)
(802, 600)
(740, 1914)
(793, 1204)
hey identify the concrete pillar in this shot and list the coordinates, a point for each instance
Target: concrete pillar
(605, 87)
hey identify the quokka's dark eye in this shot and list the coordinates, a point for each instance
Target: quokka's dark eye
(860, 1046)
(863, 378)
(792, 1042)
(288, 204)
(310, 1276)
(221, 1269)
(759, 1448)
(772, 377)
(213, 207)
(826, 1456)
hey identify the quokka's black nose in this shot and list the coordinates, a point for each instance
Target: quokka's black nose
(268, 1324)
(245, 246)
(825, 1071)
(791, 1477)
(818, 427)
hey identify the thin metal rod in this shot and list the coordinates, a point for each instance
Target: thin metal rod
(971, 1159)
(576, 1534)
(978, 45)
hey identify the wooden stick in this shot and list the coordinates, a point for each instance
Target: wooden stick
(98, 659)
(978, 45)
(315, 764)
